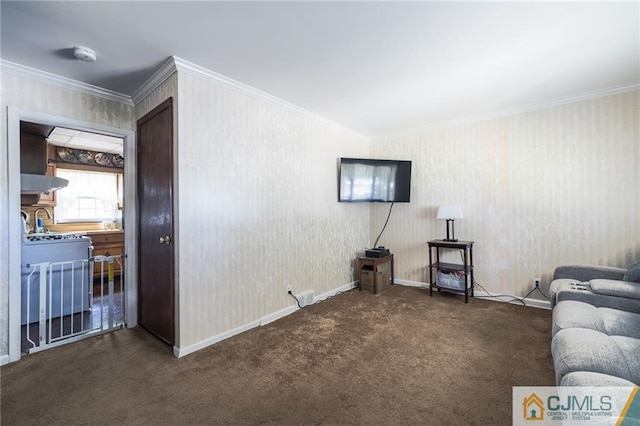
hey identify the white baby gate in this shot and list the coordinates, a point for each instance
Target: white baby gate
(68, 308)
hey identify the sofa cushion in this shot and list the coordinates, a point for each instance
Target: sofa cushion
(612, 322)
(586, 378)
(565, 289)
(574, 314)
(616, 288)
(632, 274)
(579, 349)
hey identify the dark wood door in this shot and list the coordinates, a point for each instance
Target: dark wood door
(155, 222)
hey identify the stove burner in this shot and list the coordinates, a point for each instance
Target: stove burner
(48, 237)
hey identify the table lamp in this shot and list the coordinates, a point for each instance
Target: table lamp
(450, 213)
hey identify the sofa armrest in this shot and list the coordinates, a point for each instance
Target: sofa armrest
(588, 272)
(616, 288)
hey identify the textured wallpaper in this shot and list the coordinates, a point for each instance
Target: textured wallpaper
(258, 210)
(256, 195)
(41, 97)
(537, 190)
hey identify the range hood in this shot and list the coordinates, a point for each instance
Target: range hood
(36, 184)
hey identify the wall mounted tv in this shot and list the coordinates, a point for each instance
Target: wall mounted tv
(372, 180)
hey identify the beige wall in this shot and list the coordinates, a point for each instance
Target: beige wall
(539, 189)
(37, 96)
(258, 208)
(256, 187)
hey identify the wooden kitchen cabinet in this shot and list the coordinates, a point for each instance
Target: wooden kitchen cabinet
(109, 243)
(44, 198)
(33, 154)
(33, 160)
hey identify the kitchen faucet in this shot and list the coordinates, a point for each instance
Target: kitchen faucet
(35, 218)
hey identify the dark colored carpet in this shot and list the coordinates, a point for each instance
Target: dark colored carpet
(400, 358)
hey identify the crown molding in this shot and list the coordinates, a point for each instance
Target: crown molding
(221, 80)
(536, 106)
(67, 83)
(176, 64)
(166, 70)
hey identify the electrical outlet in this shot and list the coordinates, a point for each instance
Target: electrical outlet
(289, 290)
(536, 283)
(306, 298)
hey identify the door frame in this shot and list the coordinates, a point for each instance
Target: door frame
(14, 117)
(166, 104)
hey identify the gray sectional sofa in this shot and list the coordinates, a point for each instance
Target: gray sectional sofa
(596, 325)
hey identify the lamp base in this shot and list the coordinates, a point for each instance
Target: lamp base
(453, 233)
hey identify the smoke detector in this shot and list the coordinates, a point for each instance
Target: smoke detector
(84, 53)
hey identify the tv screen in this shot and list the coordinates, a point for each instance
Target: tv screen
(371, 180)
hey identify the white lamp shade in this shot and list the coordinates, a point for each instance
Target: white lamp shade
(449, 212)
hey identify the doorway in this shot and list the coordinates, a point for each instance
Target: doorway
(14, 117)
(78, 228)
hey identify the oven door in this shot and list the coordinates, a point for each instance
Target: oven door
(67, 280)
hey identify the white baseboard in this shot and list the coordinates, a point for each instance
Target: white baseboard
(335, 291)
(534, 303)
(291, 309)
(4, 359)
(530, 303)
(180, 352)
(408, 283)
(266, 319)
(277, 315)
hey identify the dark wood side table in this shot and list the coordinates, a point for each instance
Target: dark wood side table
(458, 271)
(374, 265)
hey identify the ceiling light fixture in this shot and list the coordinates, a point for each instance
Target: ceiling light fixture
(84, 53)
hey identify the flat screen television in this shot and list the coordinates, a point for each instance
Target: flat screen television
(374, 181)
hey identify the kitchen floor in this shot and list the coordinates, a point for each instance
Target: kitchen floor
(84, 321)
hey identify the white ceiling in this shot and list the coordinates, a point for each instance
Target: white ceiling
(375, 67)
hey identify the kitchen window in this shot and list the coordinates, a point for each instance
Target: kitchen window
(89, 197)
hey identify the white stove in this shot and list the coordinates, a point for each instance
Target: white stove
(72, 249)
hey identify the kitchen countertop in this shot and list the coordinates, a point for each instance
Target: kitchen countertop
(100, 231)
